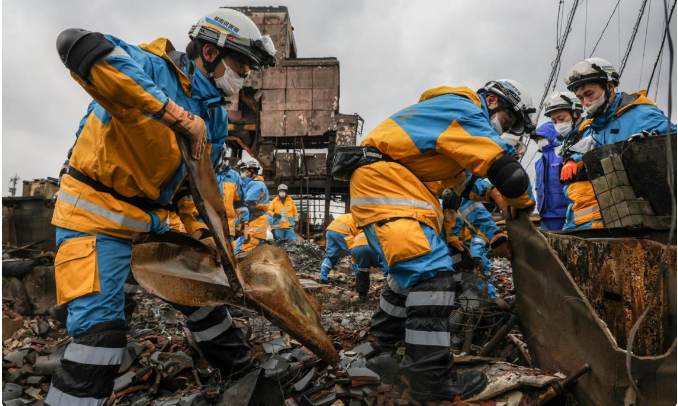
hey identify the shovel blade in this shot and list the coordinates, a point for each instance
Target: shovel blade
(180, 269)
(272, 289)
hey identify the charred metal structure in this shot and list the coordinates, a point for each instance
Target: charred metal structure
(288, 119)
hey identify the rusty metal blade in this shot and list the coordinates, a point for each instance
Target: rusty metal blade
(179, 268)
(210, 205)
(272, 288)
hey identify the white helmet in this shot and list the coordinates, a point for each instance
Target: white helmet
(562, 101)
(590, 70)
(231, 29)
(513, 97)
(282, 187)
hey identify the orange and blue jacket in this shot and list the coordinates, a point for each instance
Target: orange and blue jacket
(121, 146)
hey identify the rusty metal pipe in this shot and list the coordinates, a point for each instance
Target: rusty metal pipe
(558, 388)
(498, 337)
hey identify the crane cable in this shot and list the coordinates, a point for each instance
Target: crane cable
(661, 48)
(633, 38)
(605, 28)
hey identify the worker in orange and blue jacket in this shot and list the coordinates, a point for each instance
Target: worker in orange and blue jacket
(283, 214)
(450, 130)
(126, 169)
(231, 187)
(256, 200)
(612, 117)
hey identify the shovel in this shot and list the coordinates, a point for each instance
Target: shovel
(182, 270)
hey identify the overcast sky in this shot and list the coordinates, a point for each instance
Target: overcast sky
(389, 53)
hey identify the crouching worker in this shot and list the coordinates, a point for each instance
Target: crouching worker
(339, 238)
(284, 215)
(435, 140)
(126, 168)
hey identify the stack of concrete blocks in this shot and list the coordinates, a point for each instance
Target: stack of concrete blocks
(619, 206)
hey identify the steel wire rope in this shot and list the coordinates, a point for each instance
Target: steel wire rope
(642, 60)
(661, 48)
(629, 47)
(605, 28)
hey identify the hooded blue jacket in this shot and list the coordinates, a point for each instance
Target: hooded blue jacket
(551, 201)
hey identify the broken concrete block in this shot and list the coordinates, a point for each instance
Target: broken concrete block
(10, 325)
(40, 285)
(243, 392)
(645, 208)
(605, 199)
(17, 357)
(301, 354)
(275, 346)
(600, 185)
(362, 376)
(35, 380)
(11, 391)
(612, 180)
(617, 195)
(123, 381)
(13, 288)
(622, 209)
(617, 162)
(622, 178)
(608, 165)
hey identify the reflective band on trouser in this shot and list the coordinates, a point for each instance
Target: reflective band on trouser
(433, 338)
(258, 230)
(388, 322)
(366, 270)
(581, 213)
(85, 354)
(396, 201)
(201, 313)
(105, 213)
(430, 299)
(478, 240)
(456, 259)
(214, 331)
(427, 336)
(391, 310)
(55, 397)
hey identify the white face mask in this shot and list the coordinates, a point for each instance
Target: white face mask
(229, 83)
(542, 142)
(595, 105)
(564, 128)
(282, 194)
(496, 125)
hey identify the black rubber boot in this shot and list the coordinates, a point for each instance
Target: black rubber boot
(462, 384)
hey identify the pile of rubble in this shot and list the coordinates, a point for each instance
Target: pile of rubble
(163, 366)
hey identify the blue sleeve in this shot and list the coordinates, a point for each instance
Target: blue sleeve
(482, 220)
(477, 247)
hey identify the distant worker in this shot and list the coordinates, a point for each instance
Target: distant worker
(343, 238)
(126, 168)
(256, 200)
(612, 117)
(551, 200)
(232, 189)
(449, 130)
(284, 216)
(566, 113)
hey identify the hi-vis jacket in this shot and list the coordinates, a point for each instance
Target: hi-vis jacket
(346, 225)
(287, 210)
(231, 187)
(256, 199)
(434, 140)
(121, 146)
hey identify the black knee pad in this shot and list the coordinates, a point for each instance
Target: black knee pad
(79, 49)
(509, 177)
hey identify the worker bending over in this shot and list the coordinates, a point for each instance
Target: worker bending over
(450, 130)
(125, 169)
(256, 200)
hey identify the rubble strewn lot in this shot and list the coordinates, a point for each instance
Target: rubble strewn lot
(164, 367)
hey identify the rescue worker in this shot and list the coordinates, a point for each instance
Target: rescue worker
(551, 200)
(284, 216)
(125, 169)
(566, 113)
(256, 199)
(612, 117)
(339, 237)
(449, 130)
(232, 190)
